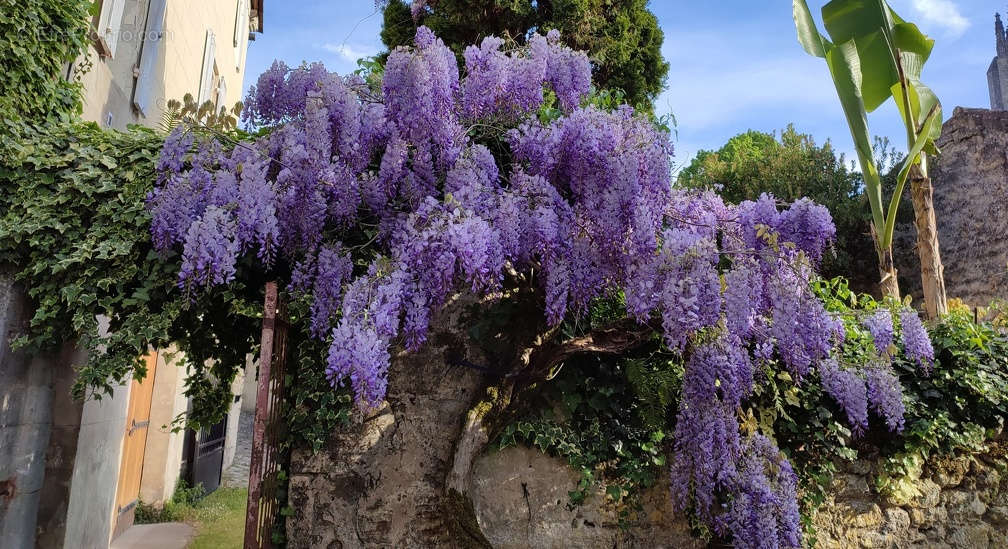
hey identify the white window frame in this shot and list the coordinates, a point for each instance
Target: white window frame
(109, 26)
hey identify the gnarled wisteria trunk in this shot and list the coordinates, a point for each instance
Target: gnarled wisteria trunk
(381, 482)
(416, 472)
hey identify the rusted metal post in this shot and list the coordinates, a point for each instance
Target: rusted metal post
(253, 518)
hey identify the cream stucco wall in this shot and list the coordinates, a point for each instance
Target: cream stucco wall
(109, 83)
(234, 414)
(251, 387)
(108, 80)
(186, 23)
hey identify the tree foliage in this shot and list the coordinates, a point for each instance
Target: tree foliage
(622, 37)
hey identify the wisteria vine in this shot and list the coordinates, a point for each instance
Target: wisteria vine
(382, 202)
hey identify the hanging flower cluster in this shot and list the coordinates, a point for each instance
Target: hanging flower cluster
(585, 201)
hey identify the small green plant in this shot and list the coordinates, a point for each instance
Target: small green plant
(183, 499)
(961, 406)
(609, 419)
(189, 112)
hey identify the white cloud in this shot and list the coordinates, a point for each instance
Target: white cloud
(350, 52)
(943, 13)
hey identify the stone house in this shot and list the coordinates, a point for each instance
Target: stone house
(72, 473)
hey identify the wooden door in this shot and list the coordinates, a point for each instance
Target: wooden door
(134, 442)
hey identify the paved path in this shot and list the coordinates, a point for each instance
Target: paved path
(164, 535)
(237, 474)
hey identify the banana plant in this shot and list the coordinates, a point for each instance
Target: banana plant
(874, 55)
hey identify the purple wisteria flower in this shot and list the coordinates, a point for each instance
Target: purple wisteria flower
(849, 391)
(880, 326)
(383, 201)
(332, 268)
(885, 394)
(916, 342)
(210, 251)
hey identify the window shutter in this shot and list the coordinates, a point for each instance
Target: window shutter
(206, 77)
(109, 24)
(221, 93)
(240, 30)
(144, 93)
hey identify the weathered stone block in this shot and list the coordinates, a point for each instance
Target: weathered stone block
(520, 498)
(929, 495)
(925, 518)
(849, 486)
(896, 522)
(970, 536)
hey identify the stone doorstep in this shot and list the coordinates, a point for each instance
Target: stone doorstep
(164, 535)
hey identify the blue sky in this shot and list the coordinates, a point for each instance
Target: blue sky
(734, 64)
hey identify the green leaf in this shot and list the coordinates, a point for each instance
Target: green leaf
(846, 20)
(878, 72)
(932, 122)
(614, 492)
(808, 35)
(922, 101)
(888, 47)
(845, 67)
(907, 38)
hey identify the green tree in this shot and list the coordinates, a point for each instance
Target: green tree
(791, 166)
(622, 37)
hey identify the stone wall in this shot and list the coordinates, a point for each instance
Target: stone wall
(961, 503)
(519, 498)
(970, 180)
(391, 479)
(39, 424)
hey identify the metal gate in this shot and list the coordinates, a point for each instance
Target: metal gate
(208, 456)
(263, 508)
